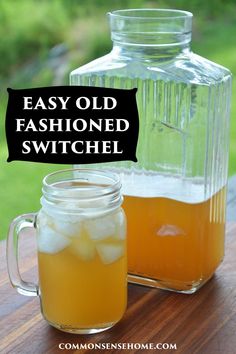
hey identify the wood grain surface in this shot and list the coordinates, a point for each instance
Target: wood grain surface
(204, 322)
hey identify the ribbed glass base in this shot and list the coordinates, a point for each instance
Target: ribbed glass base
(178, 287)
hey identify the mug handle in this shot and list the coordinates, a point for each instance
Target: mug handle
(17, 225)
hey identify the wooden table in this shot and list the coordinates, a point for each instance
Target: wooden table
(204, 322)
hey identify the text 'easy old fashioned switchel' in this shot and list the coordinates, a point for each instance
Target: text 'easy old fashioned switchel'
(72, 125)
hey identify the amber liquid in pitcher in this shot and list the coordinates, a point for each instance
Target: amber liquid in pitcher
(172, 244)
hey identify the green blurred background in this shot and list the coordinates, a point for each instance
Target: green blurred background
(42, 41)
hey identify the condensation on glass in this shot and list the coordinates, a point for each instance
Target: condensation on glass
(175, 193)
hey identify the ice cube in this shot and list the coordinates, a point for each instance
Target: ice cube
(50, 241)
(66, 212)
(64, 224)
(100, 228)
(170, 230)
(68, 229)
(84, 200)
(43, 219)
(84, 248)
(120, 219)
(46, 215)
(109, 253)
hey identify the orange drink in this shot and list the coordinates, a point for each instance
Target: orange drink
(82, 270)
(175, 244)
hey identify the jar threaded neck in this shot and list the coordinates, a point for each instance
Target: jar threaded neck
(151, 27)
(81, 191)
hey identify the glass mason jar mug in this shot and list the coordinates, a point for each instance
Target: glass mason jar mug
(81, 231)
(175, 195)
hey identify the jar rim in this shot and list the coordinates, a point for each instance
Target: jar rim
(162, 14)
(51, 180)
(151, 27)
(97, 192)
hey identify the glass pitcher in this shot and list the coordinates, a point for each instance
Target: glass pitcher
(175, 195)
